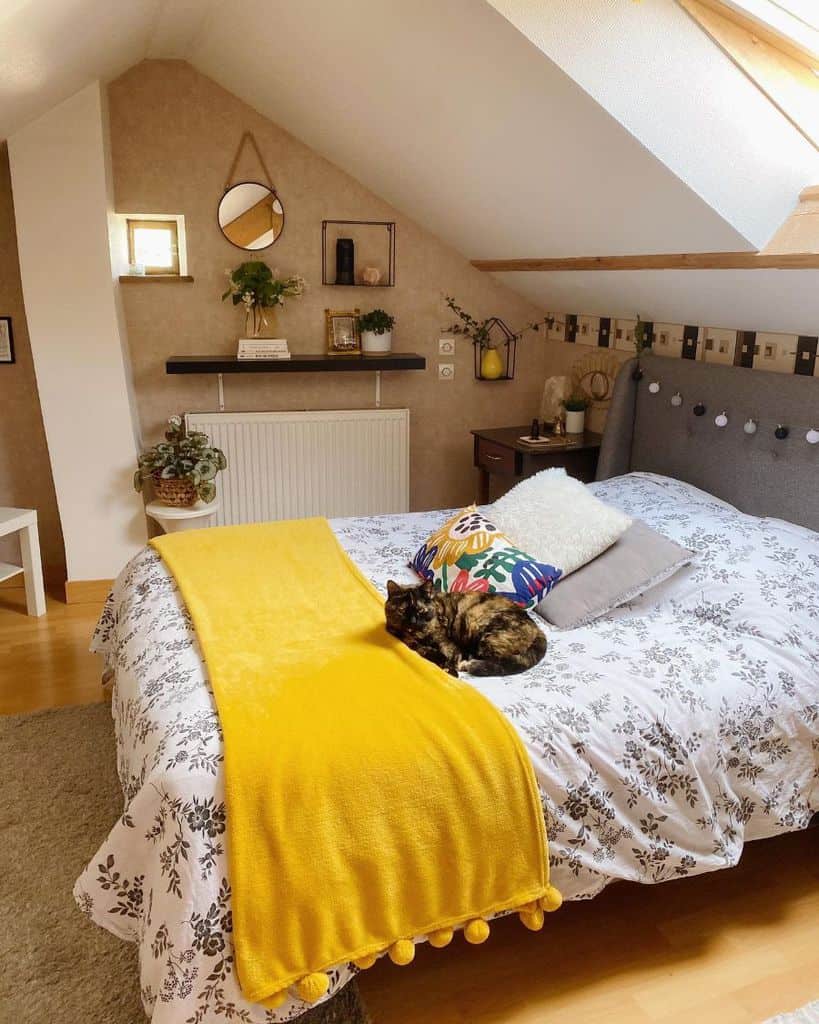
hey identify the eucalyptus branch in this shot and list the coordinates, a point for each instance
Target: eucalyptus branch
(477, 330)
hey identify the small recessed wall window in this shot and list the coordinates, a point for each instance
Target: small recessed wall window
(154, 245)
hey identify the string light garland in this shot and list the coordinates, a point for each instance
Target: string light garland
(750, 426)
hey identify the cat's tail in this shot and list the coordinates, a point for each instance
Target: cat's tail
(514, 663)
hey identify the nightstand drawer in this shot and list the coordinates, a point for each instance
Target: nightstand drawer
(495, 458)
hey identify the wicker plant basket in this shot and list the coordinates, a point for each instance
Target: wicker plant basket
(179, 493)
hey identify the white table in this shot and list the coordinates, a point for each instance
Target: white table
(173, 519)
(24, 522)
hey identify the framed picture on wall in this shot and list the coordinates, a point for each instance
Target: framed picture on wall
(343, 338)
(6, 340)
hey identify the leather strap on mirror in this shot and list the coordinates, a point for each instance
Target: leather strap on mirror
(249, 137)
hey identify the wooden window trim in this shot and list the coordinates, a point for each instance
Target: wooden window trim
(776, 65)
(173, 226)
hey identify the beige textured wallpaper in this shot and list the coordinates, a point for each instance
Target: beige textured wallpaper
(174, 133)
(25, 470)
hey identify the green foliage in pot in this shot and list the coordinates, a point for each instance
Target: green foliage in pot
(575, 403)
(377, 321)
(255, 284)
(182, 456)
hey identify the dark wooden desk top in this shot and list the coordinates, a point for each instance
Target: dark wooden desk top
(508, 437)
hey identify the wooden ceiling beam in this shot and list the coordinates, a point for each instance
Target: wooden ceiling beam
(658, 261)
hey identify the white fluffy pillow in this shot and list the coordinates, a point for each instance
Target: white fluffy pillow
(558, 520)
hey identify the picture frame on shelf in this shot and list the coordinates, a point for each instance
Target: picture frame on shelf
(343, 336)
(6, 340)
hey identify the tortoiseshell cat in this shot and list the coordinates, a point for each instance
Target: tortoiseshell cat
(483, 634)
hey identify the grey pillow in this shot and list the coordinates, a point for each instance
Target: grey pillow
(639, 560)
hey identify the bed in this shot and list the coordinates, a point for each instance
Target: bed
(663, 736)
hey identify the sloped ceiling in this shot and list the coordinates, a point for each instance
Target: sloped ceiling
(447, 110)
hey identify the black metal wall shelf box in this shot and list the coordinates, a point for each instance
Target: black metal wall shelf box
(388, 225)
(296, 364)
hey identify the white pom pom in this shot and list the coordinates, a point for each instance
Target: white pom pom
(812, 436)
(721, 420)
(654, 387)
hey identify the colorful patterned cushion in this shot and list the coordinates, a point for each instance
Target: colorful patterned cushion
(469, 553)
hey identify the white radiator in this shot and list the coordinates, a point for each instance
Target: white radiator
(287, 465)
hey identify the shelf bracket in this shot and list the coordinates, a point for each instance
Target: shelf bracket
(220, 392)
(378, 389)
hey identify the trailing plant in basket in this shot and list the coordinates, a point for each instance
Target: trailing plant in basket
(377, 321)
(182, 456)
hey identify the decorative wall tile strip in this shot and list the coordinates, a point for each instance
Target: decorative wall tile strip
(759, 350)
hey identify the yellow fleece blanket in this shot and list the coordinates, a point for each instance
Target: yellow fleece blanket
(371, 798)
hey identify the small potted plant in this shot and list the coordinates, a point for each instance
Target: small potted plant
(182, 468)
(376, 332)
(258, 288)
(575, 406)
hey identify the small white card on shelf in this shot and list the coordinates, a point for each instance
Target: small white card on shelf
(263, 348)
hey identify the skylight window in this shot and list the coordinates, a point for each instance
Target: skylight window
(794, 21)
(776, 44)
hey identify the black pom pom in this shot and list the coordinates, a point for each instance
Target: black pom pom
(637, 374)
(699, 409)
(781, 432)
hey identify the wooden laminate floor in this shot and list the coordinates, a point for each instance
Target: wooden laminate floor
(734, 947)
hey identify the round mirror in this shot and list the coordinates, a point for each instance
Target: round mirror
(251, 215)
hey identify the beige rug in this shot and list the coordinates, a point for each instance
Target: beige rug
(59, 797)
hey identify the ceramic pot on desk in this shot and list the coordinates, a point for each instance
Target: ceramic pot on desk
(575, 421)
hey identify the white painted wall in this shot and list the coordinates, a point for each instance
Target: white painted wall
(447, 111)
(62, 199)
(748, 300)
(654, 69)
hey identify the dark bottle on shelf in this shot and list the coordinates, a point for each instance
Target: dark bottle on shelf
(345, 261)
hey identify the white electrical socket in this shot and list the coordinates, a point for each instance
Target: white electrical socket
(446, 346)
(446, 371)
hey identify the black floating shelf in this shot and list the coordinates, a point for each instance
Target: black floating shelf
(296, 364)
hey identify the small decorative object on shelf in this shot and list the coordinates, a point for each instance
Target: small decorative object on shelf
(368, 244)
(345, 261)
(376, 332)
(575, 407)
(343, 338)
(182, 468)
(260, 290)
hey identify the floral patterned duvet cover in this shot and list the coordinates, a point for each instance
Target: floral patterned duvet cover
(663, 736)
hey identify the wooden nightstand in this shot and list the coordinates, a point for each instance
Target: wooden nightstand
(498, 452)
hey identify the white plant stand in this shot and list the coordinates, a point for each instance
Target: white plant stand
(24, 522)
(173, 520)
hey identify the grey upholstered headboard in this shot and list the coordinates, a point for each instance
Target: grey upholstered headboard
(758, 473)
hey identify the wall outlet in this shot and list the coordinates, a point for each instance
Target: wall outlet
(446, 346)
(446, 371)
